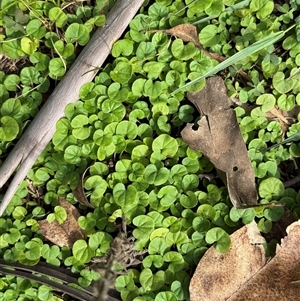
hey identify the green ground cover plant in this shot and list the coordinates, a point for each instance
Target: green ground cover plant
(123, 134)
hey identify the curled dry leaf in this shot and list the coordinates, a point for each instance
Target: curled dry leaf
(243, 273)
(78, 192)
(64, 234)
(219, 138)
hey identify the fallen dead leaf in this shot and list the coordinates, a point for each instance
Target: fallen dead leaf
(243, 273)
(219, 138)
(64, 234)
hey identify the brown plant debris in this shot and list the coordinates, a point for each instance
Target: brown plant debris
(122, 252)
(64, 234)
(243, 273)
(219, 138)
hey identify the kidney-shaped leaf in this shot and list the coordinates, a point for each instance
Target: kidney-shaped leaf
(166, 145)
(220, 237)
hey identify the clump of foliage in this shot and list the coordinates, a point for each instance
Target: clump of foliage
(126, 130)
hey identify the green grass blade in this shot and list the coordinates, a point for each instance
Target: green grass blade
(263, 43)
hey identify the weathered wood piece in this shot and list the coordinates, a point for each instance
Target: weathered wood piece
(83, 70)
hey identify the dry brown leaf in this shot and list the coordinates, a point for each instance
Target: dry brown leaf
(186, 32)
(219, 275)
(244, 274)
(78, 192)
(219, 138)
(64, 234)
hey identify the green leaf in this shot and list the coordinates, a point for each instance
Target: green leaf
(11, 82)
(208, 36)
(263, 8)
(57, 68)
(220, 237)
(177, 172)
(33, 250)
(188, 200)
(11, 237)
(80, 131)
(215, 8)
(158, 245)
(267, 101)
(121, 73)
(282, 84)
(264, 225)
(97, 185)
(36, 29)
(274, 214)
(206, 211)
(190, 182)
(57, 15)
(201, 225)
(60, 214)
(72, 154)
(29, 76)
(177, 238)
(165, 145)
(19, 213)
(101, 138)
(157, 12)
(9, 128)
(125, 197)
(145, 225)
(153, 69)
(29, 46)
(114, 109)
(127, 129)
(77, 33)
(124, 282)
(12, 49)
(40, 60)
(81, 251)
(153, 260)
(165, 296)
(124, 47)
(44, 293)
(150, 281)
(167, 195)
(156, 176)
(183, 52)
(100, 241)
(247, 215)
(271, 188)
(286, 103)
(145, 50)
(176, 261)
(153, 89)
(12, 107)
(180, 290)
